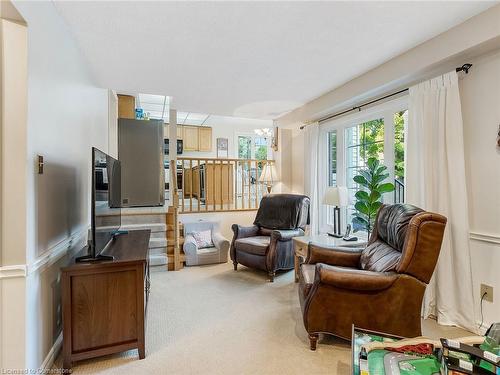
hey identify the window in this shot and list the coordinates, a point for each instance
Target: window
(332, 158)
(363, 141)
(400, 119)
(244, 147)
(350, 141)
(260, 148)
(254, 147)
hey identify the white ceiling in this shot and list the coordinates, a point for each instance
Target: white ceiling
(248, 59)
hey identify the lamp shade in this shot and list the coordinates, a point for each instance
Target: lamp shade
(269, 173)
(336, 196)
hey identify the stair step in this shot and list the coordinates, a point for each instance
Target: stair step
(158, 259)
(158, 250)
(153, 227)
(144, 210)
(141, 219)
(158, 235)
(157, 242)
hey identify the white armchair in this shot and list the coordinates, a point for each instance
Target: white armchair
(209, 255)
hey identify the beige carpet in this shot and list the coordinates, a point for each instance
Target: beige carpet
(212, 320)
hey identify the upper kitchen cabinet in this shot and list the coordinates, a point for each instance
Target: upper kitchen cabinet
(205, 139)
(190, 138)
(197, 138)
(126, 106)
(179, 131)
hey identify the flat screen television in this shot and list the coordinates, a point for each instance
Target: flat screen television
(105, 205)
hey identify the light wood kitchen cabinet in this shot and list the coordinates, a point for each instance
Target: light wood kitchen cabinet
(197, 138)
(126, 106)
(205, 139)
(180, 133)
(190, 138)
(220, 183)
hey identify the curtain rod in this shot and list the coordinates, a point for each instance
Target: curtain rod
(464, 68)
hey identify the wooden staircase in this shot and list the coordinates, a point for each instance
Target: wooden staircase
(165, 244)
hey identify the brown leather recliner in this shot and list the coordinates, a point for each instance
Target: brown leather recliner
(267, 245)
(380, 287)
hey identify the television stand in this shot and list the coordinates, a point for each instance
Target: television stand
(104, 304)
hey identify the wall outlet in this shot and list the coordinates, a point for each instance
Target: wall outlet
(489, 292)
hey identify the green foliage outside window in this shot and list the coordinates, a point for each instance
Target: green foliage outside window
(399, 146)
(372, 139)
(261, 153)
(244, 150)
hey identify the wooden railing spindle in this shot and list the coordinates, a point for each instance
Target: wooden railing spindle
(191, 185)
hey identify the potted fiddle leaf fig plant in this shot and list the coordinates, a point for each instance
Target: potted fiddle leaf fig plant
(368, 199)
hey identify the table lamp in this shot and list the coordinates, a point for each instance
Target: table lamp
(336, 196)
(269, 175)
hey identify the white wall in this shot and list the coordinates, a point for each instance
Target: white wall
(67, 115)
(480, 96)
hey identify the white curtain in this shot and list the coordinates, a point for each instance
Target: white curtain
(436, 182)
(311, 148)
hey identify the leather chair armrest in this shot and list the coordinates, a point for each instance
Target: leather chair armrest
(220, 241)
(339, 256)
(190, 247)
(286, 234)
(354, 279)
(243, 232)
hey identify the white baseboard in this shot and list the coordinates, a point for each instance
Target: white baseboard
(52, 355)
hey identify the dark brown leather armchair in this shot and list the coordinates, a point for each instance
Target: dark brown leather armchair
(267, 245)
(380, 287)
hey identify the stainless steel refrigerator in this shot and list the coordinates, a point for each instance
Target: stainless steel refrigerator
(140, 151)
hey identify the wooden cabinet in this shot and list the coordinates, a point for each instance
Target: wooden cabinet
(219, 182)
(190, 138)
(104, 303)
(205, 139)
(212, 182)
(166, 133)
(126, 106)
(196, 138)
